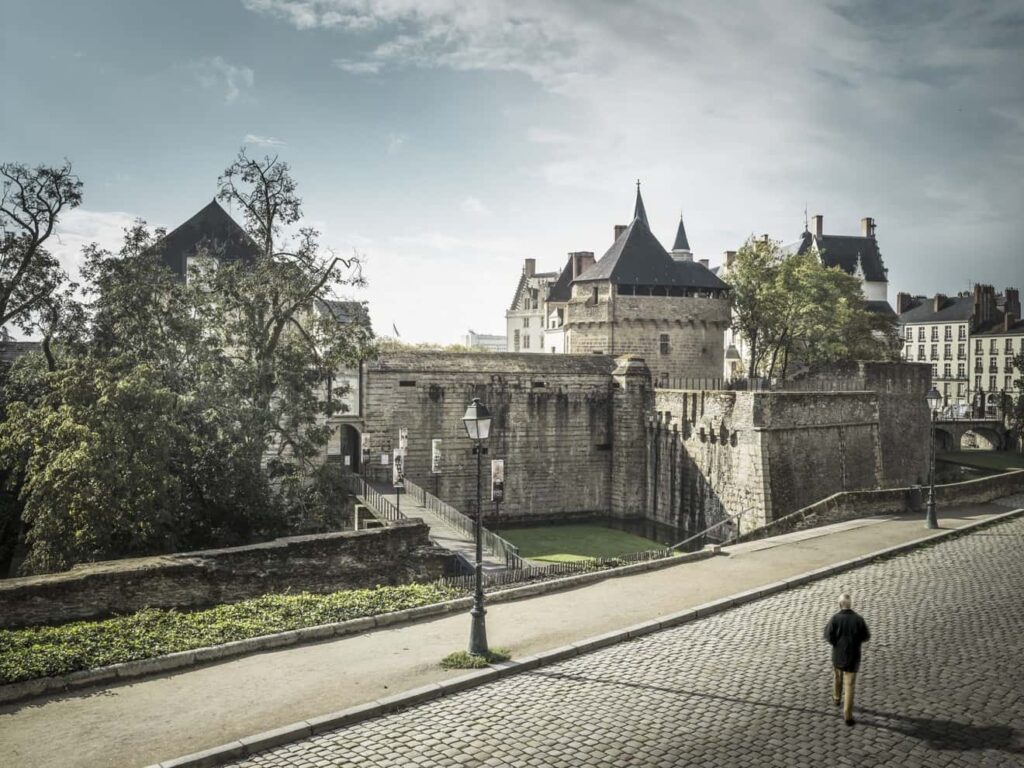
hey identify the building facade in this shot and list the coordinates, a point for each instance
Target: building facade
(526, 318)
(487, 342)
(969, 340)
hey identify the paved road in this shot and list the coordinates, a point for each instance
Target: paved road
(942, 684)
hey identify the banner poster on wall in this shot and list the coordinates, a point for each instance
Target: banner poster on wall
(435, 456)
(398, 470)
(497, 479)
(403, 440)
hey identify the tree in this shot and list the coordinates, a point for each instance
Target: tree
(273, 318)
(1015, 412)
(791, 307)
(31, 202)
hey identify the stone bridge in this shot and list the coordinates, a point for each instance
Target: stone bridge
(970, 434)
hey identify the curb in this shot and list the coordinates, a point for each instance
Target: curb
(40, 686)
(302, 729)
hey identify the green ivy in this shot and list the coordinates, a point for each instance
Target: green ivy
(35, 652)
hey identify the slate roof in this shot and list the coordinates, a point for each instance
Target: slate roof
(953, 310)
(211, 228)
(639, 212)
(681, 243)
(344, 312)
(879, 307)
(847, 252)
(561, 289)
(998, 328)
(637, 258)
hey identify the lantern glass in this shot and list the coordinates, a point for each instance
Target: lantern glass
(477, 420)
(934, 399)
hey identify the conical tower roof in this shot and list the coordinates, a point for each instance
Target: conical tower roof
(681, 243)
(639, 212)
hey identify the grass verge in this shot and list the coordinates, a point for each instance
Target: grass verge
(574, 543)
(466, 660)
(33, 652)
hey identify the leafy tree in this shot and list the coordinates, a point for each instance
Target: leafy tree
(274, 319)
(31, 202)
(1015, 411)
(792, 308)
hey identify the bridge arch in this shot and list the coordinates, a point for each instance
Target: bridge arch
(945, 440)
(981, 438)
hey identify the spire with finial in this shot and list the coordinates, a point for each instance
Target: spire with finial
(639, 212)
(681, 243)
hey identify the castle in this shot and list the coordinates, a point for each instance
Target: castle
(637, 299)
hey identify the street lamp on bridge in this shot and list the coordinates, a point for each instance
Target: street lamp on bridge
(478, 426)
(934, 401)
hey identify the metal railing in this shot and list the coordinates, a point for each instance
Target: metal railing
(711, 528)
(554, 570)
(375, 500)
(492, 542)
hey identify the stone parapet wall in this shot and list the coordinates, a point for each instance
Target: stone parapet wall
(856, 504)
(321, 563)
(551, 425)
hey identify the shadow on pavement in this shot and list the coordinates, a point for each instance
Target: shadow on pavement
(945, 734)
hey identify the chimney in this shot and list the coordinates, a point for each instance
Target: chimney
(938, 301)
(703, 262)
(984, 304)
(903, 302)
(730, 256)
(581, 261)
(1012, 303)
(530, 267)
(817, 225)
(619, 229)
(867, 227)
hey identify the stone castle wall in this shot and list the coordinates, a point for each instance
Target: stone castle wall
(552, 425)
(397, 554)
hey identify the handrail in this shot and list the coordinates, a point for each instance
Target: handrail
(374, 499)
(492, 541)
(711, 527)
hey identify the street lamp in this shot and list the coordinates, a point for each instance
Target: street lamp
(934, 399)
(478, 427)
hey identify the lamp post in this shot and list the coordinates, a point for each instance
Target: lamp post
(934, 399)
(478, 426)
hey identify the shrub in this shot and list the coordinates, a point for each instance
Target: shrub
(34, 652)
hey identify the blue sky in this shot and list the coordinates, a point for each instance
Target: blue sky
(448, 140)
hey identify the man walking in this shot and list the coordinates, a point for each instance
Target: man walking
(845, 632)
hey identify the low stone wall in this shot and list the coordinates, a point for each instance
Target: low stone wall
(397, 554)
(855, 504)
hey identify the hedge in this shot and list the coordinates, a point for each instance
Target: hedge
(46, 651)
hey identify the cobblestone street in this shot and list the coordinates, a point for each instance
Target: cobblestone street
(942, 684)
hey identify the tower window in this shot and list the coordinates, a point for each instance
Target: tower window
(663, 342)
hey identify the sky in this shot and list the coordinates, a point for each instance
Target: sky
(448, 140)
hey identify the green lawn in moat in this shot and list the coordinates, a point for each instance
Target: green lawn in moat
(573, 543)
(1000, 460)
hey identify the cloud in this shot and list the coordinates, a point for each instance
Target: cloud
(262, 141)
(475, 206)
(396, 141)
(214, 73)
(359, 67)
(80, 227)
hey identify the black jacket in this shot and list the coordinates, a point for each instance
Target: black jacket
(845, 632)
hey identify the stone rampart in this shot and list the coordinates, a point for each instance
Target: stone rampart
(396, 554)
(552, 425)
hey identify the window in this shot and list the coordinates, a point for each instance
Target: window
(946, 371)
(961, 373)
(910, 333)
(992, 366)
(935, 351)
(935, 371)
(1009, 383)
(991, 383)
(961, 351)
(526, 322)
(920, 334)
(992, 346)
(977, 383)
(1009, 347)
(526, 341)
(515, 340)
(595, 294)
(552, 350)
(977, 346)
(947, 334)
(663, 342)
(947, 350)
(962, 333)
(959, 390)
(935, 333)
(945, 391)
(920, 351)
